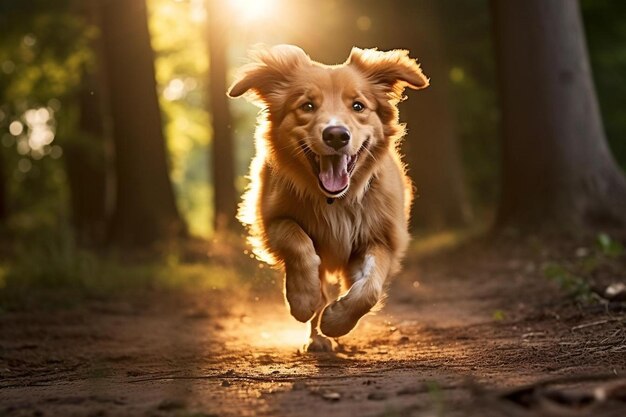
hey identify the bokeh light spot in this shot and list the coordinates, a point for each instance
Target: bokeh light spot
(22, 146)
(175, 90)
(30, 40)
(24, 165)
(457, 74)
(16, 128)
(8, 66)
(56, 152)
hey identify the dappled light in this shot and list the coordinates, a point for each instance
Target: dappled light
(32, 136)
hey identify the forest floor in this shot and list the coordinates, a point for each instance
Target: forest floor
(474, 331)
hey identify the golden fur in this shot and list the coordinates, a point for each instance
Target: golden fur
(362, 235)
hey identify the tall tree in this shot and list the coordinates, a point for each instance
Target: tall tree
(222, 153)
(145, 209)
(86, 151)
(86, 167)
(558, 171)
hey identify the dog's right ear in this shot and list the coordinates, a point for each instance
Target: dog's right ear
(268, 74)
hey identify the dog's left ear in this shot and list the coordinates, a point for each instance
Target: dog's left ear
(394, 70)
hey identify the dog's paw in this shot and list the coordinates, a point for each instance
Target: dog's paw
(319, 344)
(336, 320)
(339, 317)
(304, 293)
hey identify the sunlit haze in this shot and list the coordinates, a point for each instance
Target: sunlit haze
(253, 10)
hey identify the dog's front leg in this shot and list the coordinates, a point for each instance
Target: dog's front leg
(302, 283)
(367, 276)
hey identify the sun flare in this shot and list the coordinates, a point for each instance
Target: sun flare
(253, 10)
(270, 327)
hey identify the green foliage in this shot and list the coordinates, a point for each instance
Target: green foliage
(54, 262)
(608, 246)
(50, 260)
(181, 71)
(44, 50)
(45, 62)
(575, 286)
(574, 277)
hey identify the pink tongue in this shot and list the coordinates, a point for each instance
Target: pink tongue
(334, 172)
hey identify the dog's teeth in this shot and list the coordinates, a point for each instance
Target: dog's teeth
(317, 158)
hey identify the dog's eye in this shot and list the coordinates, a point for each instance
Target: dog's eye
(307, 107)
(357, 106)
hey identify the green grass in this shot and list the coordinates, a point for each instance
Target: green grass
(58, 273)
(21, 287)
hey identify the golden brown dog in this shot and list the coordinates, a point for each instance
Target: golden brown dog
(329, 195)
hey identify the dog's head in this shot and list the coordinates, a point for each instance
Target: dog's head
(329, 124)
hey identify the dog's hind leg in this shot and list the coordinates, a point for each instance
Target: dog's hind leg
(367, 275)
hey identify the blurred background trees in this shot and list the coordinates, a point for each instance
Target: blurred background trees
(225, 195)
(145, 210)
(115, 128)
(558, 171)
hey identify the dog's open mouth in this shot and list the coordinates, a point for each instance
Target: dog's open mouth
(333, 171)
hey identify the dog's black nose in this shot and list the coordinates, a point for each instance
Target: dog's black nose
(336, 136)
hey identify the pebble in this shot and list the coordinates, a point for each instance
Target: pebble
(331, 396)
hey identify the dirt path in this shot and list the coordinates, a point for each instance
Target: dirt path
(455, 334)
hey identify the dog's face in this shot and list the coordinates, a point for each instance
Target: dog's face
(329, 124)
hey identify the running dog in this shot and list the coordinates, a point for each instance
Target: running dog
(329, 195)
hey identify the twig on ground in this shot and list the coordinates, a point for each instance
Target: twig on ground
(596, 323)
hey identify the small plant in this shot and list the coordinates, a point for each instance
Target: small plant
(609, 246)
(498, 315)
(574, 285)
(435, 392)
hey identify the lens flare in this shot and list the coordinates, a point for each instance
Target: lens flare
(253, 10)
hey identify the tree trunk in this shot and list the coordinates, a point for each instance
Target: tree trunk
(558, 171)
(432, 143)
(145, 209)
(86, 159)
(86, 167)
(222, 153)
